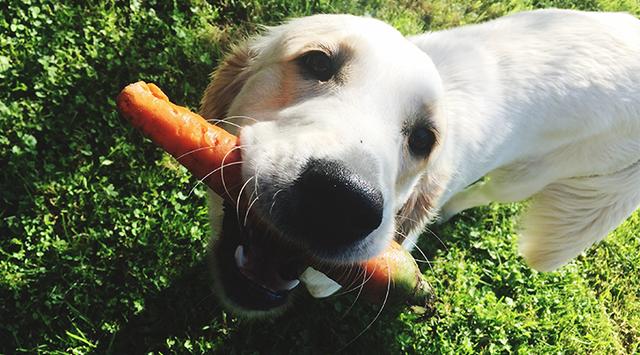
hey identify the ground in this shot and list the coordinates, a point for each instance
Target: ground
(101, 242)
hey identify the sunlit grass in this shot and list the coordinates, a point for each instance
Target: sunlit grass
(100, 241)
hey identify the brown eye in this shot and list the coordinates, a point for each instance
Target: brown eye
(318, 65)
(421, 141)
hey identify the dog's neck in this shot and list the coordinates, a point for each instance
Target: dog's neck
(477, 135)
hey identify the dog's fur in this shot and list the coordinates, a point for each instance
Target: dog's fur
(543, 104)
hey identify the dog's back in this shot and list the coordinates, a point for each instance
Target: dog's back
(576, 73)
(550, 101)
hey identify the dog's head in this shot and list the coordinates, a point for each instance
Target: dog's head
(339, 123)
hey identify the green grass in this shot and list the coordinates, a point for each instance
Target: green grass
(100, 242)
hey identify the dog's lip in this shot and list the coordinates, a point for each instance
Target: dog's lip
(244, 290)
(251, 295)
(255, 270)
(271, 280)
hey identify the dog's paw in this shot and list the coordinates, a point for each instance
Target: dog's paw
(541, 257)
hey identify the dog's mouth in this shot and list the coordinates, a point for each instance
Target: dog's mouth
(255, 268)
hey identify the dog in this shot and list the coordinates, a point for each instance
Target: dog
(353, 135)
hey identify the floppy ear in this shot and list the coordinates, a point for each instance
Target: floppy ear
(417, 212)
(226, 82)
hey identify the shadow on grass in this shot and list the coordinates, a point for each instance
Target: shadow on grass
(187, 309)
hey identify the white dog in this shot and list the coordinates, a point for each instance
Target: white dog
(353, 135)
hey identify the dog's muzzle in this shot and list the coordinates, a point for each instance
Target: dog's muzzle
(323, 214)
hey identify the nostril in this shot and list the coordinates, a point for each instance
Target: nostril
(335, 206)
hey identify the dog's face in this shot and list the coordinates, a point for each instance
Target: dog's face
(339, 119)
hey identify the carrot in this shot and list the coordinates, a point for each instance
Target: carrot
(204, 148)
(198, 145)
(392, 276)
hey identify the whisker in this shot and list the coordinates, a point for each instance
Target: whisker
(438, 238)
(205, 148)
(427, 229)
(255, 182)
(348, 288)
(346, 273)
(240, 116)
(432, 262)
(254, 193)
(199, 150)
(224, 183)
(358, 285)
(194, 151)
(364, 280)
(222, 166)
(409, 218)
(414, 244)
(240, 197)
(246, 216)
(274, 201)
(216, 122)
(384, 302)
(418, 248)
(211, 173)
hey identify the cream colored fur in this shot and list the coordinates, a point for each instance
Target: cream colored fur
(544, 104)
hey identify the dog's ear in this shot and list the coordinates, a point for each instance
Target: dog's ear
(418, 211)
(227, 81)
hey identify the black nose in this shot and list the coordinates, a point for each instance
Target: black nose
(333, 205)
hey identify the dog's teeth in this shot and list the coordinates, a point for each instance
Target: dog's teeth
(318, 284)
(241, 257)
(290, 285)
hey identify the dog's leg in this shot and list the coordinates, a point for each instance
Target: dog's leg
(473, 196)
(510, 184)
(570, 215)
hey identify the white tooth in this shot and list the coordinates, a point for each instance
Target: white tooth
(290, 285)
(318, 284)
(240, 256)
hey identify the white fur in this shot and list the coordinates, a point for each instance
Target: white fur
(570, 215)
(543, 103)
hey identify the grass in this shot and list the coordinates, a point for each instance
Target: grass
(101, 244)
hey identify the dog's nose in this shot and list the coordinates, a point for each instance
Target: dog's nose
(335, 206)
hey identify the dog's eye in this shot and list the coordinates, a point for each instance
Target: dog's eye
(318, 65)
(421, 141)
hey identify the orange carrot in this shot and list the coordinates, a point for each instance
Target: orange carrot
(207, 151)
(394, 271)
